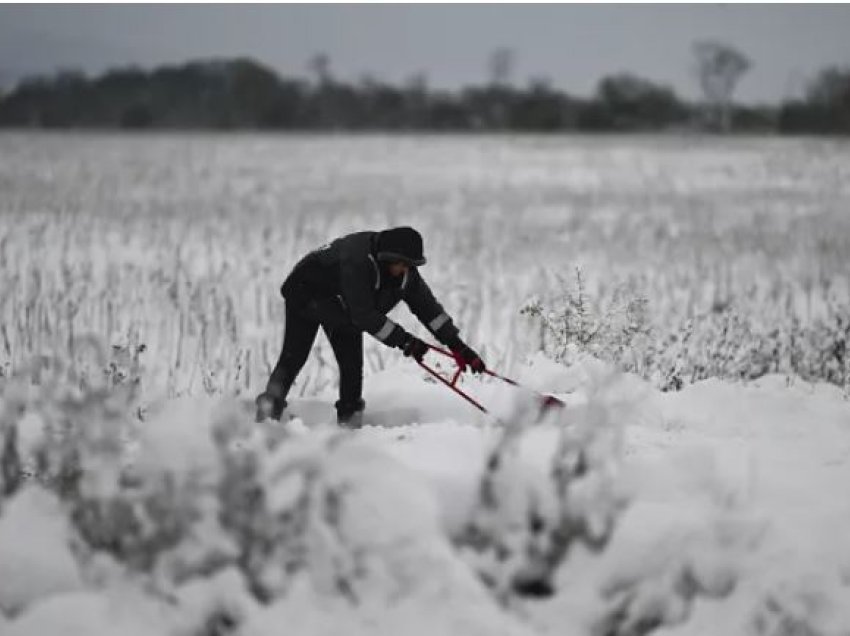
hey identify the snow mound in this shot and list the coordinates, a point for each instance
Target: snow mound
(718, 509)
(92, 614)
(35, 554)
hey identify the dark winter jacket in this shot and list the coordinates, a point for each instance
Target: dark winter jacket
(343, 284)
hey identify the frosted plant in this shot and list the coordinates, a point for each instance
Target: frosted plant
(732, 339)
(153, 518)
(65, 426)
(11, 469)
(813, 603)
(270, 534)
(658, 587)
(528, 517)
(608, 328)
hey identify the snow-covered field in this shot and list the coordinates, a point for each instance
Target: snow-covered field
(136, 496)
(180, 243)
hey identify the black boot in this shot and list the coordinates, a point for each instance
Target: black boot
(350, 414)
(269, 406)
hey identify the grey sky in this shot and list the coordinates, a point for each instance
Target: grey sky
(572, 45)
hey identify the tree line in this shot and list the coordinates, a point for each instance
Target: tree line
(245, 94)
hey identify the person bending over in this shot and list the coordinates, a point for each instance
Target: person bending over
(347, 287)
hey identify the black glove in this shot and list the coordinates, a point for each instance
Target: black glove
(269, 406)
(414, 348)
(466, 357)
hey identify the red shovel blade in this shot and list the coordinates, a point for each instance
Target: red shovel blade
(550, 402)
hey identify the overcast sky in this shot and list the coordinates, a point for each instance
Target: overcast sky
(572, 45)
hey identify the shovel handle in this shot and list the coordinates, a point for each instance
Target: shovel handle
(548, 400)
(449, 354)
(453, 385)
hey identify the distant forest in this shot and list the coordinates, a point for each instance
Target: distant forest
(244, 94)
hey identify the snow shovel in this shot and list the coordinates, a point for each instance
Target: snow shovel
(546, 401)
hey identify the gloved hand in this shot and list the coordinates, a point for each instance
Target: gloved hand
(414, 348)
(467, 357)
(269, 406)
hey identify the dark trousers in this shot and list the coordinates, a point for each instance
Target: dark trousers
(302, 325)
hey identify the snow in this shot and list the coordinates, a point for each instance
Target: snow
(388, 547)
(736, 522)
(93, 614)
(35, 555)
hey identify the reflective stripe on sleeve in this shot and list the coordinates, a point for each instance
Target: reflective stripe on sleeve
(377, 272)
(385, 331)
(439, 321)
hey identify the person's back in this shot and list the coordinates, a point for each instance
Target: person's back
(317, 274)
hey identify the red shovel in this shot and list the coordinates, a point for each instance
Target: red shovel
(547, 401)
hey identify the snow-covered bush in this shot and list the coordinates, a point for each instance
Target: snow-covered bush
(812, 605)
(528, 517)
(168, 506)
(325, 507)
(657, 587)
(130, 511)
(729, 341)
(267, 515)
(77, 448)
(574, 320)
(732, 344)
(36, 560)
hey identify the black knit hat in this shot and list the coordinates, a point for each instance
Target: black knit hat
(401, 244)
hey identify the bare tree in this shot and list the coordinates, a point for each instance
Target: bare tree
(831, 87)
(417, 96)
(323, 89)
(320, 66)
(719, 67)
(501, 66)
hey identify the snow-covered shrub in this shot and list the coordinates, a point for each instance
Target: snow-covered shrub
(350, 540)
(14, 397)
(730, 340)
(732, 344)
(11, 471)
(213, 606)
(810, 605)
(94, 613)
(269, 533)
(192, 493)
(658, 586)
(35, 550)
(76, 440)
(56, 410)
(296, 512)
(529, 516)
(81, 456)
(610, 331)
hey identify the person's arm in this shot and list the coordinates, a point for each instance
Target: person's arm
(430, 313)
(428, 310)
(357, 279)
